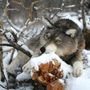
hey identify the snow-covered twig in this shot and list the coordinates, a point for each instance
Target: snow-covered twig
(14, 44)
(18, 47)
(3, 86)
(12, 25)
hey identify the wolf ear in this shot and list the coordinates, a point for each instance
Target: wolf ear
(71, 32)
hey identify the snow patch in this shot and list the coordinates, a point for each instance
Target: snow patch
(45, 58)
(23, 76)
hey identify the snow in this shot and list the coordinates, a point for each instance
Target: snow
(44, 58)
(72, 16)
(75, 18)
(6, 61)
(23, 76)
(72, 83)
(82, 82)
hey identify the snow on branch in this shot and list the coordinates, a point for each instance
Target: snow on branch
(13, 43)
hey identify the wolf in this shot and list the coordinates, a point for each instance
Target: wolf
(64, 37)
(67, 41)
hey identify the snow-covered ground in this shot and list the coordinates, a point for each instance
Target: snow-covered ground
(82, 82)
(72, 83)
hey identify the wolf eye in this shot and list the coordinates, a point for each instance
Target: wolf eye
(47, 36)
(58, 41)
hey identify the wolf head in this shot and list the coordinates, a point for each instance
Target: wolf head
(62, 38)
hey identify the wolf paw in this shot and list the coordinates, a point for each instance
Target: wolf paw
(13, 69)
(23, 77)
(77, 68)
(16, 65)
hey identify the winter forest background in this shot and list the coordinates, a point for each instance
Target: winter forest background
(20, 20)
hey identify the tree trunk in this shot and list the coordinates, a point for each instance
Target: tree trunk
(1, 55)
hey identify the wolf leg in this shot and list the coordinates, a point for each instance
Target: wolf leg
(17, 63)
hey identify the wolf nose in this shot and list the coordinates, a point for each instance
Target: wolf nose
(42, 49)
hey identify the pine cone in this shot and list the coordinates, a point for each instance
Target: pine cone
(48, 72)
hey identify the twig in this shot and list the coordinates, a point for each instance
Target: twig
(7, 19)
(12, 25)
(12, 56)
(6, 87)
(49, 21)
(17, 47)
(3, 86)
(83, 16)
(14, 43)
(5, 44)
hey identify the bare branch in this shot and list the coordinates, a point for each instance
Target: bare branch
(12, 25)
(5, 44)
(18, 47)
(12, 56)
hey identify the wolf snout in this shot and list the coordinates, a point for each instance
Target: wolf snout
(42, 49)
